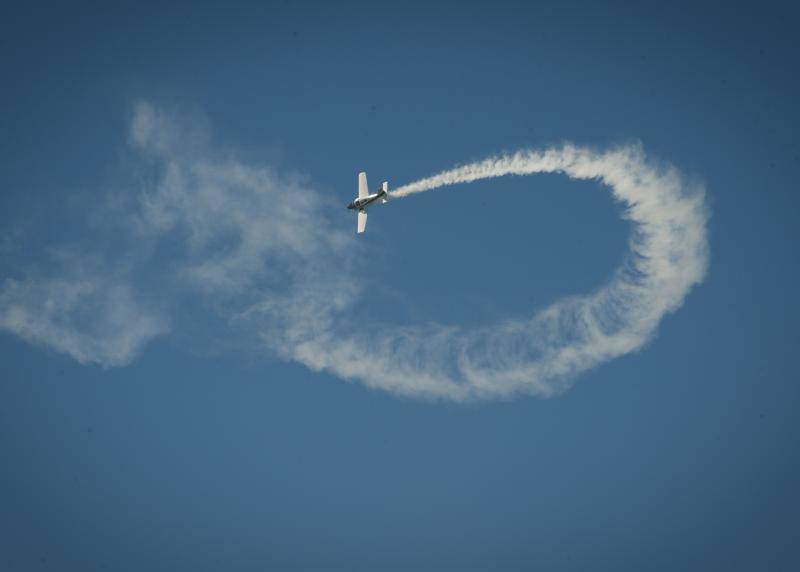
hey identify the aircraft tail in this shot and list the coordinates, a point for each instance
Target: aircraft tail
(385, 189)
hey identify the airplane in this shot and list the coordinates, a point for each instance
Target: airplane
(365, 200)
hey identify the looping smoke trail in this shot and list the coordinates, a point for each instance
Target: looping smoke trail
(258, 251)
(542, 354)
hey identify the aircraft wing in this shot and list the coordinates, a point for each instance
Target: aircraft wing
(362, 221)
(363, 189)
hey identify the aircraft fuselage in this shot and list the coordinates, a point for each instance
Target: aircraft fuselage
(364, 202)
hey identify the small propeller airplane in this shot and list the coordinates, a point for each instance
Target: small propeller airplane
(366, 200)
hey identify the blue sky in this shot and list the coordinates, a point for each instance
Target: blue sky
(174, 181)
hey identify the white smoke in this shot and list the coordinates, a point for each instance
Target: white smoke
(257, 250)
(541, 354)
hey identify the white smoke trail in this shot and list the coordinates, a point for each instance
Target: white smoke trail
(539, 355)
(263, 254)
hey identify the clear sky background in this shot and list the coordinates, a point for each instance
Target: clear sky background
(206, 453)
